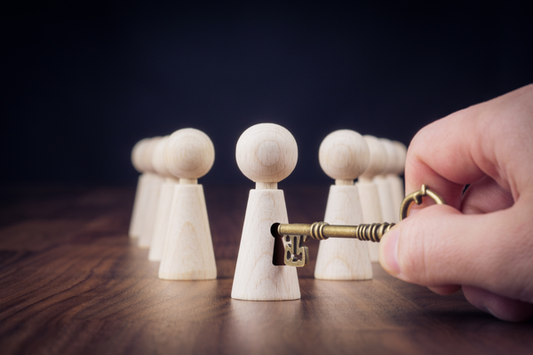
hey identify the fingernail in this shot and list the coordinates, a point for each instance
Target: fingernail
(388, 251)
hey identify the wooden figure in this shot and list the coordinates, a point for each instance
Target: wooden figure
(164, 204)
(389, 212)
(266, 154)
(343, 156)
(140, 194)
(395, 182)
(368, 191)
(188, 249)
(152, 194)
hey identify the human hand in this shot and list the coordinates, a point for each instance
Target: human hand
(481, 241)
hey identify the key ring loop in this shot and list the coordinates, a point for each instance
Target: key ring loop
(417, 198)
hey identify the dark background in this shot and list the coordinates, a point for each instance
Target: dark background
(83, 81)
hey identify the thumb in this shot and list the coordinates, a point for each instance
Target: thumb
(440, 246)
(424, 250)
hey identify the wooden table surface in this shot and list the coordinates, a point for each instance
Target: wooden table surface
(72, 282)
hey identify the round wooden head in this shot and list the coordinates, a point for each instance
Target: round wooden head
(377, 159)
(401, 153)
(158, 158)
(189, 153)
(137, 154)
(148, 152)
(392, 158)
(343, 155)
(266, 153)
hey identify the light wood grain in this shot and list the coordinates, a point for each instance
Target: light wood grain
(377, 158)
(158, 158)
(371, 210)
(397, 194)
(189, 153)
(368, 191)
(188, 250)
(395, 182)
(344, 156)
(256, 278)
(140, 194)
(389, 210)
(151, 201)
(162, 220)
(266, 153)
(164, 201)
(343, 259)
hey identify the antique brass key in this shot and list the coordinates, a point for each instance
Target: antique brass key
(291, 253)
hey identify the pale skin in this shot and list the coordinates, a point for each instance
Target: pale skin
(481, 241)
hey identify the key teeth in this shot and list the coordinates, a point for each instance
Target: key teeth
(385, 227)
(372, 232)
(317, 230)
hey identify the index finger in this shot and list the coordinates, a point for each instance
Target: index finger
(492, 138)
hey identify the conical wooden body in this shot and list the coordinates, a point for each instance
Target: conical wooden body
(138, 204)
(162, 219)
(150, 210)
(343, 259)
(369, 197)
(188, 251)
(397, 193)
(256, 278)
(388, 212)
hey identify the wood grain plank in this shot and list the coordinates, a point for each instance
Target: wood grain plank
(72, 282)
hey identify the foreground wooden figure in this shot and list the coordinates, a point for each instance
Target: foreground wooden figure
(266, 154)
(188, 250)
(343, 156)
